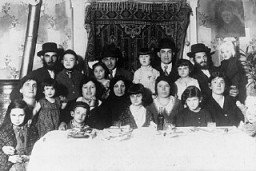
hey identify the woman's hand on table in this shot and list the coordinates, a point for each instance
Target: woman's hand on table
(62, 126)
(8, 150)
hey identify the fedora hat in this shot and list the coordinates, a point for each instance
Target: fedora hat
(200, 47)
(110, 50)
(48, 47)
(167, 43)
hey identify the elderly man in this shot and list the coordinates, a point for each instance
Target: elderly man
(49, 56)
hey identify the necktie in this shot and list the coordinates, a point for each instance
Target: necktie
(20, 134)
(111, 74)
(165, 70)
(69, 74)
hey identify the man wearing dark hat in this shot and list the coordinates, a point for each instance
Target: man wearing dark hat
(203, 68)
(49, 56)
(166, 53)
(110, 56)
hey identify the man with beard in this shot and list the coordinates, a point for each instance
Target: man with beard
(49, 56)
(203, 68)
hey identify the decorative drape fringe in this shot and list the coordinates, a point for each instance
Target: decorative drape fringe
(173, 6)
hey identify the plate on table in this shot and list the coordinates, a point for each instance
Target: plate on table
(117, 133)
(81, 133)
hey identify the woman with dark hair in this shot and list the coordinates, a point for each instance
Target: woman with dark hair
(118, 99)
(16, 138)
(164, 101)
(136, 115)
(99, 116)
(222, 107)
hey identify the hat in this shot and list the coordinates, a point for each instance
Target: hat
(110, 50)
(200, 47)
(144, 51)
(167, 43)
(48, 47)
(81, 104)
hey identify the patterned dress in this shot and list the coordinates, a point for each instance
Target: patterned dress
(48, 117)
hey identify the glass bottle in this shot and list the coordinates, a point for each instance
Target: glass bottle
(160, 119)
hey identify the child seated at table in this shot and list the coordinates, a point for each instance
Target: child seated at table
(249, 126)
(79, 113)
(16, 138)
(136, 115)
(192, 114)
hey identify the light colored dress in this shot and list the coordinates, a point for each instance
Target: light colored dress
(147, 77)
(48, 117)
(182, 85)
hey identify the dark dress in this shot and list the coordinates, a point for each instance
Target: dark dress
(8, 138)
(189, 118)
(127, 118)
(229, 115)
(117, 105)
(48, 116)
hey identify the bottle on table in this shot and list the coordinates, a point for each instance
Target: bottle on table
(160, 120)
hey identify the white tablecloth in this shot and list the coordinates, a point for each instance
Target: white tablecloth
(145, 150)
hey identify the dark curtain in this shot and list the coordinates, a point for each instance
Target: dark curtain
(132, 25)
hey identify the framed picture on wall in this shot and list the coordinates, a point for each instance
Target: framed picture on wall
(229, 17)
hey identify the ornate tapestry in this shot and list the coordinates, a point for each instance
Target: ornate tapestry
(133, 25)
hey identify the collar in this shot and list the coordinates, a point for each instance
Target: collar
(113, 72)
(169, 69)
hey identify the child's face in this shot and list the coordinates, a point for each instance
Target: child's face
(144, 60)
(99, 73)
(251, 116)
(163, 89)
(79, 114)
(225, 54)
(136, 99)
(193, 103)
(89, 90)
(49, 91)
(17, 116)
(183, 71)
(69, 61)
(218, 85)
(119, 88)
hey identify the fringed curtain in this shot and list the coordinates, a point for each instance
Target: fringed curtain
(132, 25)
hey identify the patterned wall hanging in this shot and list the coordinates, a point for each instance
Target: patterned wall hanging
(132, 25)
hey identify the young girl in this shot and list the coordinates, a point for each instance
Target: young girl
(101, 73)
(16, 138)
(136, 115)
(184, 68)
(146, 74)
(48, 108)
(193, 114)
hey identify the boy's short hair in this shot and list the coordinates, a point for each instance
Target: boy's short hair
(69, 51)
(80, 104)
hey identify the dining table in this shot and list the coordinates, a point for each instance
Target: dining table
(146, 148)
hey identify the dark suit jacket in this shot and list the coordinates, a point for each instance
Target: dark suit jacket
(229, 115)
(40, 75)
(125, 73)
(173, 75)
